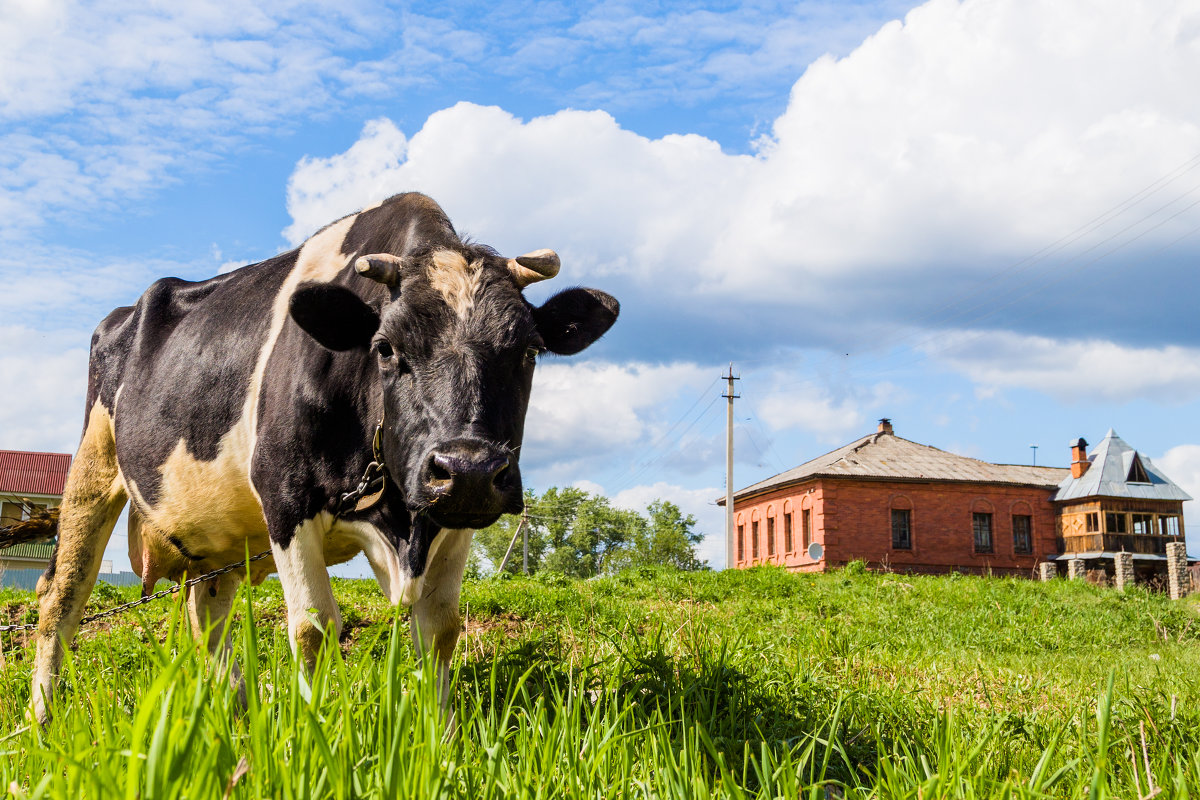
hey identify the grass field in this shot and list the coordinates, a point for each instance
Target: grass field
(648, 684)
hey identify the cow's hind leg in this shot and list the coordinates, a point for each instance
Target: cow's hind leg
(435, 619)
(92, 501)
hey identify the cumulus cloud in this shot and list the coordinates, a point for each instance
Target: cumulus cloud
(1182, 465)
(815, 409)
(925, 157)
(586, 410)
(1073, 369)
(46, 374)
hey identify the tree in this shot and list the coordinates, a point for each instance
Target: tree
(581, 535)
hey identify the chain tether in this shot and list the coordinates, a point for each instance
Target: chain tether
(366, 494)
(150, 597)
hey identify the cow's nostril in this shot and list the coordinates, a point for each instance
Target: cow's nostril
(439, 471)
(500, 477)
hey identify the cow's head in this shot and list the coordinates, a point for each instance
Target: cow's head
(454, 344)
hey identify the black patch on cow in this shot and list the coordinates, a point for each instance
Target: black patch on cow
(403, 225)
(182, 358)
(333, 315)
(575, 318)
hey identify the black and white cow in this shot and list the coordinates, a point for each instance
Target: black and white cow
(234, 413)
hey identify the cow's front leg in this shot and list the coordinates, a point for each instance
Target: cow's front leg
(300, 560)
(435, 620)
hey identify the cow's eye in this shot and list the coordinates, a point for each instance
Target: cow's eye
(384, 349)
(531, 353)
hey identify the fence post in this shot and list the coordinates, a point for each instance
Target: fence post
(1124, 571)
(1177, 570)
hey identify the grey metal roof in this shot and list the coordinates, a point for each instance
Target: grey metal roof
(1108, 475)
(885, 456)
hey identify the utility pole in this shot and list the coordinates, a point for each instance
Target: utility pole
(729, 546)
(525, 542)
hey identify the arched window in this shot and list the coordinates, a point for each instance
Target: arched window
(789, 541)
(901, 521)
(982, 515)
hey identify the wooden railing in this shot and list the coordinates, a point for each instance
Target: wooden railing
(1116, 542)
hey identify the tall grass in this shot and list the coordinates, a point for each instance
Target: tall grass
(648, 684)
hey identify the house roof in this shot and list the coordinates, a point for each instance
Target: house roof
(885, 456)
(1112, 465)
(39, 551)
(33, 473)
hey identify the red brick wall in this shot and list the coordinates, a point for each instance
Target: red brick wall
(852, 520)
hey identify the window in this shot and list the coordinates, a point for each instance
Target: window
(1137, 473)
(1022, 533)
(1169, 526)
(754, 539)
(901, 529)
(806, 528)
(1142, 523)
(770, 536)
(1093, 521)
(741, 543)
(787, 533)
(981, 525)
(1114, 523)
(10, 513)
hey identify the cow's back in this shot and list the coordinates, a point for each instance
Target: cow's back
(175, 370)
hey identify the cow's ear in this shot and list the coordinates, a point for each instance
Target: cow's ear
(333, 315)
(573, 319)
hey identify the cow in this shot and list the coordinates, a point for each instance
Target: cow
(364, 392)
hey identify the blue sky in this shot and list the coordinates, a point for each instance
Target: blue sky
(978, 218)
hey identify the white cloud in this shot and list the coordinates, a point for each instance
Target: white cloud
(586, 410)
(928, 148)
(1071, 369)
(812, 408)
(45, 375)
(1182, 465)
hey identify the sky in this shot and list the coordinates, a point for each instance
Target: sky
(980, 219)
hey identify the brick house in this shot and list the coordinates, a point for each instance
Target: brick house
(29, 482)
(890, 501)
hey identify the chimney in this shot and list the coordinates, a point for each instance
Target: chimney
(885, 426)
(1079, 459)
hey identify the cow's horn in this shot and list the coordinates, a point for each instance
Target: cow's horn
(382, 267)
(533, 267)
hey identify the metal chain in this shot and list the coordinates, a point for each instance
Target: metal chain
(151, 597)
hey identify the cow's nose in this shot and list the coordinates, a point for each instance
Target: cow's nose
(468, 473)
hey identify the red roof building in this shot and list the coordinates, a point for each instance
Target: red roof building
(29, 482)
(24, 474)
(902, 505)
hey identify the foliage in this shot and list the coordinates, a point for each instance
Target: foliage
(574, 533)
(646, 683)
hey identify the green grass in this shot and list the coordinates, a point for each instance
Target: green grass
(647, 684)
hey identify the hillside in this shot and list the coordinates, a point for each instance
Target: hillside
(647, 684)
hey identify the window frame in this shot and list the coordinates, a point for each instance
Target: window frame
(1025, 548)
(981, 523)
(905, 514)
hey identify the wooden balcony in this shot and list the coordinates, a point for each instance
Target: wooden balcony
(1116, 542)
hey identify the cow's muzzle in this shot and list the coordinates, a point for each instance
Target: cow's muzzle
(469, 483)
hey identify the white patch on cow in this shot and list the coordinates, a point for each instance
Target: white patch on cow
(384, 560)
(320, 259)
(456, 280)
(212, 507)
(306, 589)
